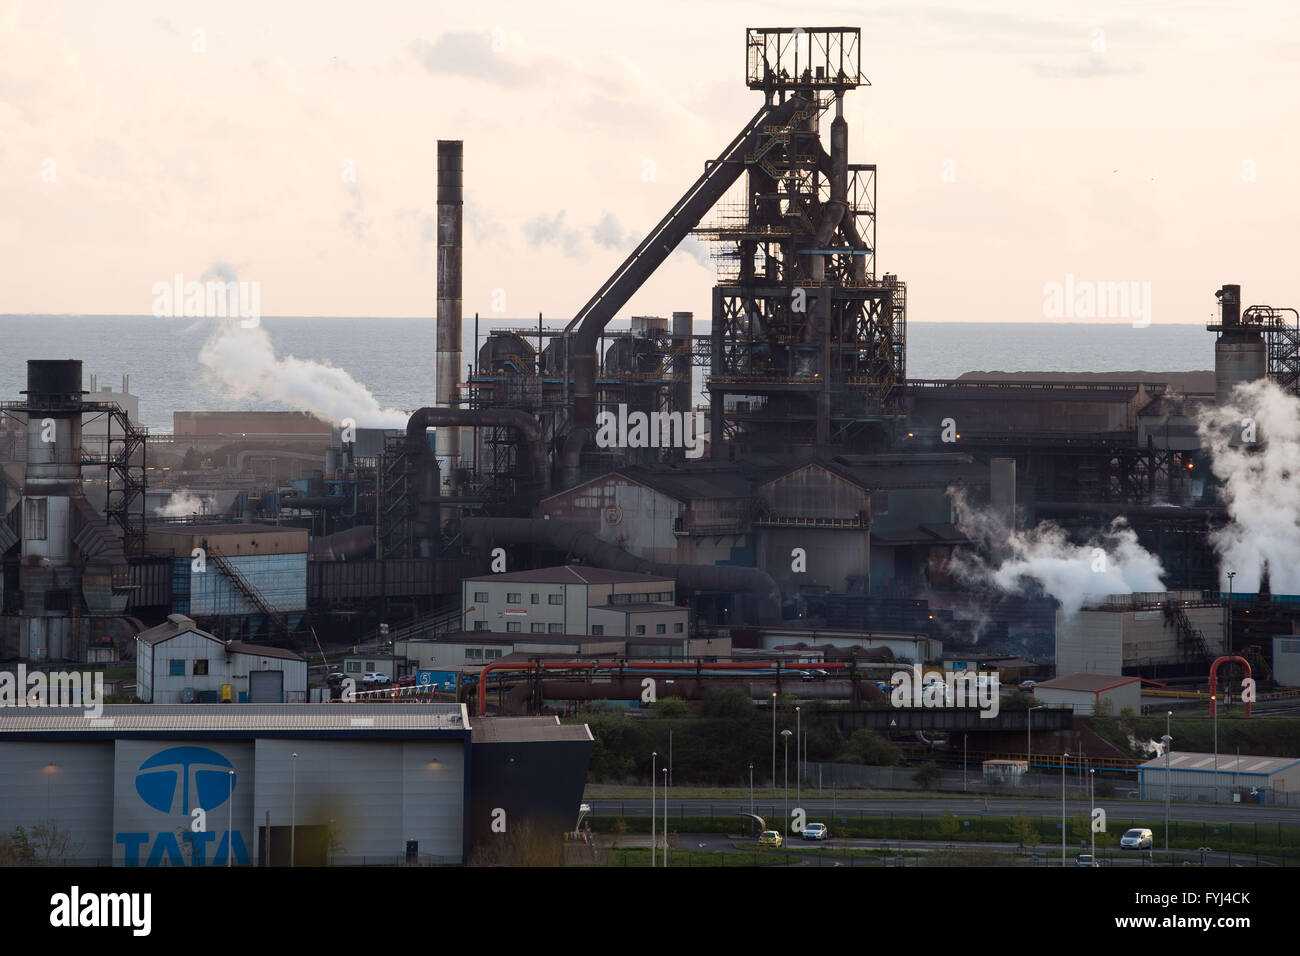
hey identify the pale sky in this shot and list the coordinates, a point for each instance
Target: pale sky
(1151, 142)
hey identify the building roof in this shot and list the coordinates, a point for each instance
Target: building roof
(1088, 683)
(636, 608)
(1228, 763)
(921, 534)
(521, 637)
(263, 650)
(237, 718)
(573, 574)
(498, 730)
(178, 624)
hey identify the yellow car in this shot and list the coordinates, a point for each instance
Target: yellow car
(769, 838)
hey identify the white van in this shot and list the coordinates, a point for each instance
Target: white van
(1136, 839)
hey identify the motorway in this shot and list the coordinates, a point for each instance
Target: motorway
(961, 806)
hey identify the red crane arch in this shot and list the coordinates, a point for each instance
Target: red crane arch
(1214, 681)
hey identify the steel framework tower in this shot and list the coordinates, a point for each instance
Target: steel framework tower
(808, 346)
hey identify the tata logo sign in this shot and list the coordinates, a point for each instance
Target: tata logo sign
(185, 784)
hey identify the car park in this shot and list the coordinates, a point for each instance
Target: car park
(815, 831)
(769, 838)
(1136, 839)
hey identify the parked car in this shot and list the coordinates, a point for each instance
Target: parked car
(816, 674)
(769, 838)
(374, 677)
(1136, 839)
(407, 681)
(335, 677)
(1085, 859)
(815, 831)
(1028, 685)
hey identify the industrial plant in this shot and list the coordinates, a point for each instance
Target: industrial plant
(773, 504)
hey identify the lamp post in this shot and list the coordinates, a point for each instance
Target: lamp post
(785, 734)
(230, 815)
(963, 763)
(774, 743)
(654, 760)
(293, 810)
(1092, 808)
(1215, 710)
(1064, 754)
(751, 789)
(664, 771)
(1029, 739)
(1227, 645)
(1168, 742)
(798, 765)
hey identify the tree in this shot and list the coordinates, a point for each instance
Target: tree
(50, 844)
(868, 747)
(727, 702)
(928, 776)
(669, 707)
(16, 849)
(1023, 830)
(948, 826)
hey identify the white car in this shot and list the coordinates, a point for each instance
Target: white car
(815, 831)
(375, 678)
(1136, 839)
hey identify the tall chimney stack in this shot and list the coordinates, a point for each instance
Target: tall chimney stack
(447, 373)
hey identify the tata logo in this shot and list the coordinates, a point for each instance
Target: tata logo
(185, 783)
(167, 775)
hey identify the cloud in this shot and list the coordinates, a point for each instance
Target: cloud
(548, 231)
(470, 54)
(610, 234)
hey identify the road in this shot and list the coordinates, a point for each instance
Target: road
(962, 806)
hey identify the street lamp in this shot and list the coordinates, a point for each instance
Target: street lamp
(654, 759)
(664, 771)
(1092, 808)
(1029, 739)
(230, 815)
(1168, 742)
(293, 810)
(773, 743)
(1215, 711)
(1064, 754)
(798, 765)
(751, 789)
(785, 734)
(963, 763)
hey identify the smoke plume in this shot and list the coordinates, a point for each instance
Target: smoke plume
(244, 362)
(1254, 446)
(180, 504)
(1018, 562)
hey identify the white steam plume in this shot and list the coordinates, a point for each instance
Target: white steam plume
(1254, 445)
(180, 504)
(1111, 563)
(245, 363)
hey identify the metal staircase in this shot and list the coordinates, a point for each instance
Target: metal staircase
(248, 590)
(1191, 639)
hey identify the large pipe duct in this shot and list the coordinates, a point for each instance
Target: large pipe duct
(450, 216)
(358, 542)
(572, 539)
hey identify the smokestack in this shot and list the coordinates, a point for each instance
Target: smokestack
(450, 209)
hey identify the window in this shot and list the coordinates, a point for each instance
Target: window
(34, 512)
(640, 628)
(677, 628)
(60, 600)
(641, 598)
(534, 599)
(177, 668)
(620, 599)
(200, 668)
(598, 630)
(480, 596)
(473, 653)
(353, 667)
(514, 597)
(492, 653)
(370, 667)
(555, 599)
(513, 627)
(539, 628)
(660, 628)
(480, 625)
(555, 628)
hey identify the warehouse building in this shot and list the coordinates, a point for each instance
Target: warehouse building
(573, 600)
(343, 784)
(177, 663)
(1226, 778)
(1147, 633)
(1089, 694)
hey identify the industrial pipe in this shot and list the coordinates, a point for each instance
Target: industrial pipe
(1214, 681)
(358, 542)
(571, 538)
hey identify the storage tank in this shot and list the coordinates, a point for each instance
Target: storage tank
(1240, 354)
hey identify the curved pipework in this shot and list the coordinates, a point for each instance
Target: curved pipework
(571, 538)
(571, 456)
(526, 425)
(358, 542)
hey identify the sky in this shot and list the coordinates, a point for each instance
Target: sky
(293, 144)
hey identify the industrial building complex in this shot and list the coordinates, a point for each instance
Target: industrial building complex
(349, 644)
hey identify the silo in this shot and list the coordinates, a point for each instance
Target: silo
(1240, 354)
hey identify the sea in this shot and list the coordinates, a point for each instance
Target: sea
(394, 357)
